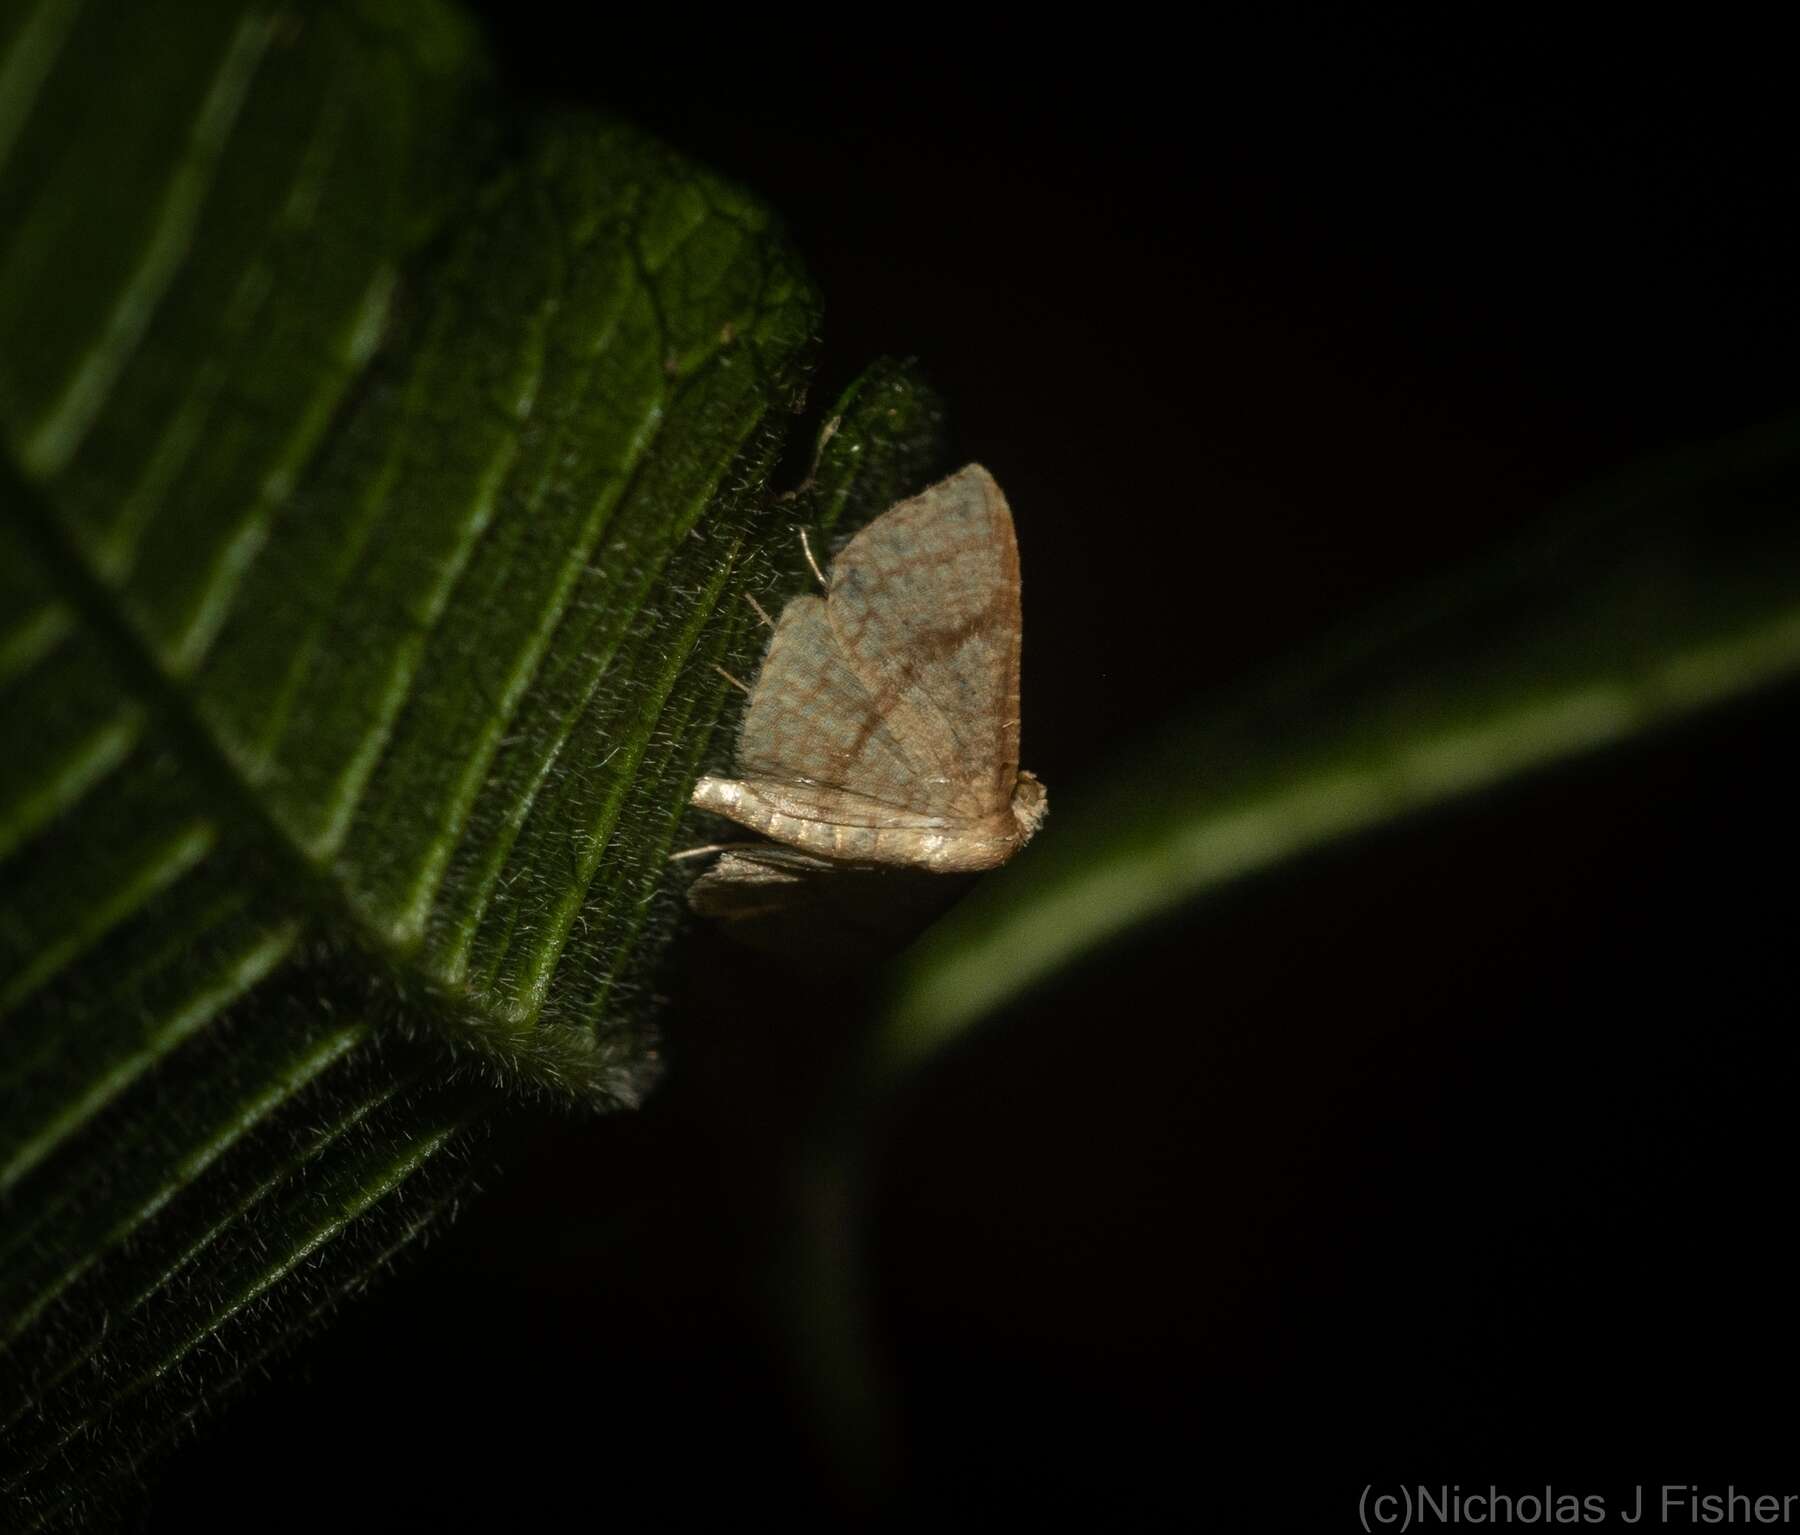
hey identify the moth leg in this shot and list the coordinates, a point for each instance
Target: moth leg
(769, 854)
(715, 847)
(806, 549)
(744, 686)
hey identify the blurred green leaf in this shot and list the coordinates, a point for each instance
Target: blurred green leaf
(377, 467)
(1658, 595)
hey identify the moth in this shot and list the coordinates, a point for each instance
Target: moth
(881, 740)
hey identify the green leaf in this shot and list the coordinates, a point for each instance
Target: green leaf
(1669, 591)
(380, 471)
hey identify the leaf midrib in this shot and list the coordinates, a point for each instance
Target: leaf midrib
(316, 893)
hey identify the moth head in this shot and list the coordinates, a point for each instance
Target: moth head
(1030, 804)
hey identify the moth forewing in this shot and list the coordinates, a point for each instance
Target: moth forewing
(882, 731)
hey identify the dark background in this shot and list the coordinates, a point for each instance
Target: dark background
(1459, 1155)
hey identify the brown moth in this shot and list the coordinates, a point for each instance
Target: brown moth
(882, 733)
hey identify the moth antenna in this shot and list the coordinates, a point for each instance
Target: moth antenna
(761, 611)
(812, 474)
